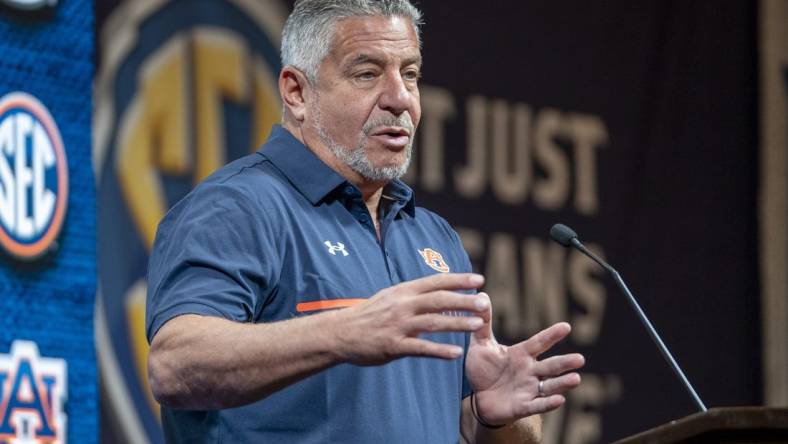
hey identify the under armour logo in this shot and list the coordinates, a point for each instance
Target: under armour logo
(333, 249)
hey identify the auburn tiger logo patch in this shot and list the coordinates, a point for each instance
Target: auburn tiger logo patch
(434, 260)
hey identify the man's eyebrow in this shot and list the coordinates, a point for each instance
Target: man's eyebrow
(363, 58)
(415, 60)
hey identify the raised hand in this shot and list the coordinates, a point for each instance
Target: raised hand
(506, 379)
(388, 325)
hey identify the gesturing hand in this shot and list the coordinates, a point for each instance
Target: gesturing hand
(506, 379)
(387, 326)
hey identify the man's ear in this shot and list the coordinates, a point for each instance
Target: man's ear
(295, 91)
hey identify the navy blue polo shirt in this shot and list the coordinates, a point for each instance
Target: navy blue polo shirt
(277, 235)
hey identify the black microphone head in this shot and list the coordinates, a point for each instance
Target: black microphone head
(562, 234)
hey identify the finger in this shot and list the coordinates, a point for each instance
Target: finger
(542, 405)
(561, 384)
(437, 322)
(545, 339)
(422, 347)
(444, 300)
(557, 365)
(485, 332)
(444, 281)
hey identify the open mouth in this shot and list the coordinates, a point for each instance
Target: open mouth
(393, 136)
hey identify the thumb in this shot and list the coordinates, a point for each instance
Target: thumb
(485, 332)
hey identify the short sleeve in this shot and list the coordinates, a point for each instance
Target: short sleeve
(214, 255)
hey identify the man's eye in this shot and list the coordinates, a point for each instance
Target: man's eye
(412, 75)
(366, 75)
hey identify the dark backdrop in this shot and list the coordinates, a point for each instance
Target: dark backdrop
(675, 84)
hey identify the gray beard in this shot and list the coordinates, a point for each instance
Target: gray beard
(357, 158)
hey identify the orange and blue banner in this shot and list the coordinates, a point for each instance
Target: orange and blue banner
(48, 374)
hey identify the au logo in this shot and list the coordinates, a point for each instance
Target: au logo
(184, 87)
(33, 177)
(434, 260)
(33, 392)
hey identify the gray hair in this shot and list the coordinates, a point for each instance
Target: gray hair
(309, 30)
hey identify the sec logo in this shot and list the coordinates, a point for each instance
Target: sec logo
(33, 177)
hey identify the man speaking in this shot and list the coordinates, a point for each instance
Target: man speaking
(299, 295)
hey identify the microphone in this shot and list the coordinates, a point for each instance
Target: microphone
(568, 238)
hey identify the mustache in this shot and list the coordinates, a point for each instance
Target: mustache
(403, 121)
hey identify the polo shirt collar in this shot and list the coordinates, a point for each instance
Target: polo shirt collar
(313, 178)
(402, 194)
(308, 174)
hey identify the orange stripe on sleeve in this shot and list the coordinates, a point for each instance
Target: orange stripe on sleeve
(327, 304)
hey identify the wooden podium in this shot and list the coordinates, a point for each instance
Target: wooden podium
(729, 425)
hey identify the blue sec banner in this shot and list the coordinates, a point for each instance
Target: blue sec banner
(48, 378)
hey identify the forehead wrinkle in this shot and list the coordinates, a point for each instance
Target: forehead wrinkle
(375, 43)
(364, 57)
(356, 31)
(389, 36)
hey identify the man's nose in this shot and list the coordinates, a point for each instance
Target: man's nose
(396, 97)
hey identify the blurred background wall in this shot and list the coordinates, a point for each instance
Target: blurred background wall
(657, 129)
